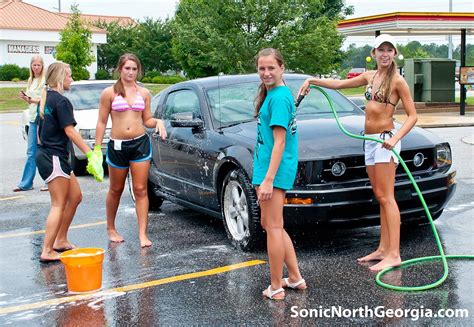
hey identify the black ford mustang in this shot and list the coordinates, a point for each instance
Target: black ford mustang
(206, 161)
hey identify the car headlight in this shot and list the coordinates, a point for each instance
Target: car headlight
(107, 133)
(87, 134)
(443, 156)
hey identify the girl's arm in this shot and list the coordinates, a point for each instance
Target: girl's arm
(409, 106)
(265, 189)
(357, 81)
(148, 119)
(104, 111)
(76, 138)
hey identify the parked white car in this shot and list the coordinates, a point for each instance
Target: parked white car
(84, 96)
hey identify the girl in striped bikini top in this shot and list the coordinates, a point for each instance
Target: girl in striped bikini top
(120, 104)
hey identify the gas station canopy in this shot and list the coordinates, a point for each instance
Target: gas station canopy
(415, 24)
(409, 23)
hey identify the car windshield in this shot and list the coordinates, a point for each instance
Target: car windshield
(235, 103)
(85, 96)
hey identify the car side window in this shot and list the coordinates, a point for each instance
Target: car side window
(181, 102)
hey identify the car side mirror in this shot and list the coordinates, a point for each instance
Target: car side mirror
(362, 107)
(186, 119)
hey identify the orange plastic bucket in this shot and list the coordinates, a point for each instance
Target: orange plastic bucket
(83, 269)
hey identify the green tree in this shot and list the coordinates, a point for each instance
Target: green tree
(75, 45)
(150, 40)
(225, 35)
(153, 45)
(120, 39)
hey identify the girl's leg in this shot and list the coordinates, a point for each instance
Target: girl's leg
(29, 171)
(139, 179)
(117, 182)
(379, 253)
(385, 173)
(58, 190)
(272, 219)
(291, 262)
(74, 197)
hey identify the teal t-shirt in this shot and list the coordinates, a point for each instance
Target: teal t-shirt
(278, 109)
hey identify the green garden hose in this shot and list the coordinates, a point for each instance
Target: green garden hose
(410, 262)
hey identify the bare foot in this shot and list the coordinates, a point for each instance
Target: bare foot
(114, 236)
(63, 246)
(376, 255)
(145, 242)
(49, 256)
(386, 263)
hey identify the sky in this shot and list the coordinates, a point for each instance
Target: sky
(162, 9)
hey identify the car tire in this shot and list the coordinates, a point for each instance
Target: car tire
(154, 201)
(78, 166)
(240, 211)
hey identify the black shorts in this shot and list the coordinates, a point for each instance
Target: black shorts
(51, 166)
(121, 152)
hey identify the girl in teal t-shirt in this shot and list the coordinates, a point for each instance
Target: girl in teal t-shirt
(274, 170)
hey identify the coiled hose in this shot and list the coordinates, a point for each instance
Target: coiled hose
(410, 262)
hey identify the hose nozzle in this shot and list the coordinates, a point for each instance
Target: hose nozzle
(298, 101)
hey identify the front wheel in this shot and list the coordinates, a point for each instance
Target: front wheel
(240, 211)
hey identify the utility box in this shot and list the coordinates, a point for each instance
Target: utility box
(431, 79)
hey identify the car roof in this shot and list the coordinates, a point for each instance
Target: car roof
(223, 80)
(86, 82)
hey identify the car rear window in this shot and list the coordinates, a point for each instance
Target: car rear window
(235, 103)
(85, 96)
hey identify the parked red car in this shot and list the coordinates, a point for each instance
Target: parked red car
(354, 72)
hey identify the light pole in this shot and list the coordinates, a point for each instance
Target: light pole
(450, 37)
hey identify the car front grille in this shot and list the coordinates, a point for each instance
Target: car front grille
(320, 172)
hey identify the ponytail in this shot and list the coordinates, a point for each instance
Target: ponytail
(43, 101)
(262, 94)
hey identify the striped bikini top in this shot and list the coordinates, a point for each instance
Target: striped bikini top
(120, 104)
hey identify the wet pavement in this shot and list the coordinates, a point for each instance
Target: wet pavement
(192, 276)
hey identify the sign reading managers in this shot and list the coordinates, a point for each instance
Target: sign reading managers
(14, 48)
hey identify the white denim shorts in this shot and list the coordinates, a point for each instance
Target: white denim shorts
(374, 153)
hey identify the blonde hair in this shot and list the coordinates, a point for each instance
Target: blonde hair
(386, 85)
(55, 77)
(262, 90)
(32, 74)
(118, 86)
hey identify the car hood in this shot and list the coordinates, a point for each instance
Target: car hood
(321, 138)
(87, 119)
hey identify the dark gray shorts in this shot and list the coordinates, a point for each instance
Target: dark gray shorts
(51, 166)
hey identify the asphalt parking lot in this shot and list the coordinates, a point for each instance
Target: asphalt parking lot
(192, 276)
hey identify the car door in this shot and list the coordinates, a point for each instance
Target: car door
(174, 163)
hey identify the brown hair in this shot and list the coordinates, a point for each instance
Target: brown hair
(32, 74)
(118, 86)
(54, 79)
(262, 90)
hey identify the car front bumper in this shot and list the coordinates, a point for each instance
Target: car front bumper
(356, 205)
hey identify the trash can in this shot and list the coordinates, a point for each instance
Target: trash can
(431, 79)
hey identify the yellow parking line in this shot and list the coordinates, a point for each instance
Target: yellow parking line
(12, 197)
(43, 231)
(73, 298)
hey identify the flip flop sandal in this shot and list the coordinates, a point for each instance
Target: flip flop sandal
(295, 285)
(270, 294)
